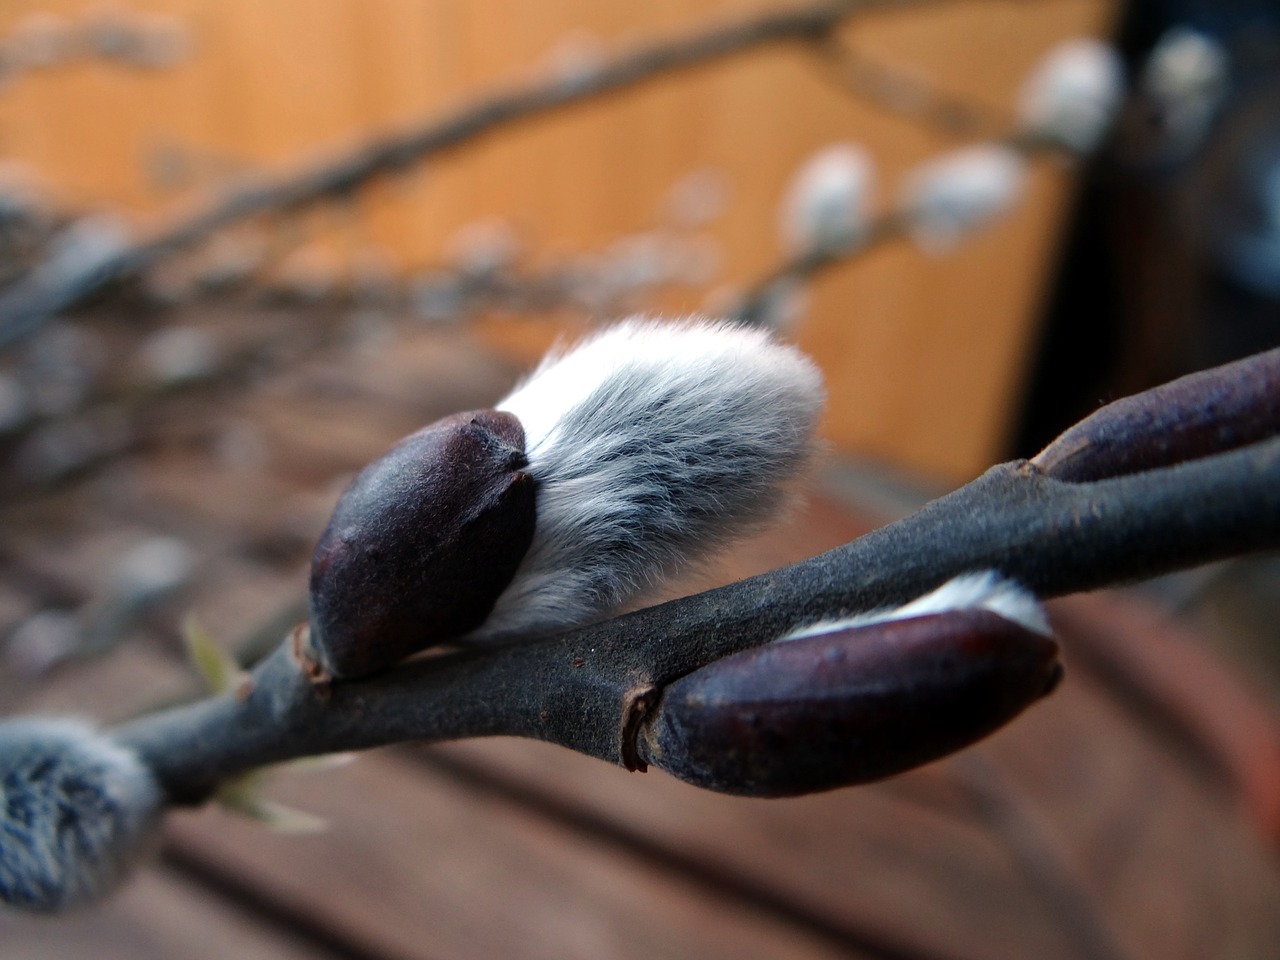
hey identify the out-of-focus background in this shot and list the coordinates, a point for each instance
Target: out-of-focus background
(171, 445)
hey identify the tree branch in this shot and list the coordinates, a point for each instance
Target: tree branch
(589, 689)
(27, 303)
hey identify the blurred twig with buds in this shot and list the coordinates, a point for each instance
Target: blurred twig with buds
(1066, 106)
(828, 221)
(28, 303)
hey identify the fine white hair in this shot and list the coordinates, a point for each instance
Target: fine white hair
(76, 812)
(982, 590)
(652, 444)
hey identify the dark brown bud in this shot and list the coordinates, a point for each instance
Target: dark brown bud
(422, 543)
(1195, 416)
(849, 706)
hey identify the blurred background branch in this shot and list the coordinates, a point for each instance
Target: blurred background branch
(51, 289)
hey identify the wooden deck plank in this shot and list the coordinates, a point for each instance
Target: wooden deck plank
(108, 688)
(416, 864)
(1123, 807)
(158, 916)
(871, 858)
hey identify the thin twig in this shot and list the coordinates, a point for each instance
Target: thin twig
(756, 305)
(329, 318)
(898, 92)
(28, 303)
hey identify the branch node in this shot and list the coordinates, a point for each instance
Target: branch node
(244, 689)
(304, 655)
(638, 705)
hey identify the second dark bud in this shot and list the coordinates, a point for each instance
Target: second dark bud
(848, 706)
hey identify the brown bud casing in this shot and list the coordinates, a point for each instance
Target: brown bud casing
(850, 706)
(1195, 416)
(422, 543)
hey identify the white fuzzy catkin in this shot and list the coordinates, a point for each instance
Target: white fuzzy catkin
(951, 195)
(76, 811)
(826, 204)
(1186, 76)
(984, 590)
(1186, 64)
(1073, 93)
(653, 444)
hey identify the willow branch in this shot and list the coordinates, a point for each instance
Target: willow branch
(757, 303)
(904, 94)
(1218, 495)
(28, 303)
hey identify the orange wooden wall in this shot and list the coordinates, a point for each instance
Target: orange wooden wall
(924, 355)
